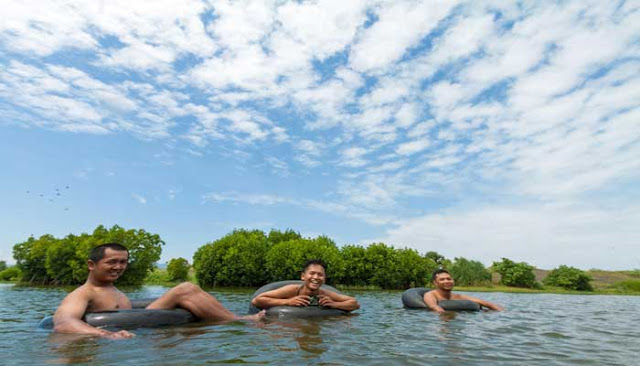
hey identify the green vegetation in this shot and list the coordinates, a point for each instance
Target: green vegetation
(10, 274)
(48, 260)
(569, 278)
(467, 272)
(515, 274)
(252, 258)
(178, 269)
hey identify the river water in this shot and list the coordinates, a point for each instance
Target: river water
(536, 329)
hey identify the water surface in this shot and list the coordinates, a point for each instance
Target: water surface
(536, 329)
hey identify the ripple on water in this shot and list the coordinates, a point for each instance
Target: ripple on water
(536, 330)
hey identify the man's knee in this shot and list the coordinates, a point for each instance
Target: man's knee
(186, 289)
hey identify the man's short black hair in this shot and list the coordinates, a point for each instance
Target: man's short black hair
(437, 272)
(318, 262)
(97, 253)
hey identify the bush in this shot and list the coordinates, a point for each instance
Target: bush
(178, 269)
(48, 260)
(628, 285)
(10, 274)
(357, 270)
(468, 272)
(569, 278)
(3, 265)
(284, 260)
(515, 274)
(237, 259)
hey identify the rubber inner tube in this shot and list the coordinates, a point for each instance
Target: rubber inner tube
(413, 298)
(131, 318)
(295, 311)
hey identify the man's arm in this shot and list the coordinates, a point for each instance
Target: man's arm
(68, 317)
(480, 302)
(338, 301)
(432, 302)
(280, 297)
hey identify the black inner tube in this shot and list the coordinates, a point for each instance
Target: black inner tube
(131, 318)
(295, 311)
(413, 298)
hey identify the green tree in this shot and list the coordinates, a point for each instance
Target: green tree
(237, 259)
(413, 270)
(469, 272)
(178, 269)
(284, 260)
(277, 236)
(10, 274)
(31, 257)
(357, 271)
(515, 274)
(569, 278)
(3, 265)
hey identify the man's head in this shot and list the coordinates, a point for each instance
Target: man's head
(313, 274)
(107, 262)
(442, 279)
(98, 252)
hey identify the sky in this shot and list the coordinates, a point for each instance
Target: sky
(477, 129)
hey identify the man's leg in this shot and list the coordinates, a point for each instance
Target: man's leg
(192, 298)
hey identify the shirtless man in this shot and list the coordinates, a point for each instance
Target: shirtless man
(106, 263)
(444, 284)
(313, 276)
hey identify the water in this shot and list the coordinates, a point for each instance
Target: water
(536, 329)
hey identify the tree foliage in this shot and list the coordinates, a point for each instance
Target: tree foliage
(10, 274)
(237, 259)
(515, 274)
(178, 269)
(467, 272)
(570, 278)
(48, 260)
(357, 270)
(3, 265)
(284, 260)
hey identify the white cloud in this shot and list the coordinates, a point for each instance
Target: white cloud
(545, 236)
(140, 199)
(412, 147)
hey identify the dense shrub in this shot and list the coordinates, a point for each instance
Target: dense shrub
(397, 268)
(467, 272)
(515, 274)
(48, 260)
(627, 285)
(10, 274)
(569, 278)
(284, 260)
(237, 259)
(178, 269)
(357, 270)
(3, 265)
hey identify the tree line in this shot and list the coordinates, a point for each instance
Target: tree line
(252, 258)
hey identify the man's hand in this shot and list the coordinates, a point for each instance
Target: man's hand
(300, 300)
(121, 334)
(326, 301)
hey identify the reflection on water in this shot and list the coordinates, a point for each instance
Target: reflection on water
(536, 330)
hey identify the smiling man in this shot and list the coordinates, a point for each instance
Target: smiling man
(443, 282)
(107, 262)
(307, 294)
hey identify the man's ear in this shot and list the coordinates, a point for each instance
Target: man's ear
(91, 264)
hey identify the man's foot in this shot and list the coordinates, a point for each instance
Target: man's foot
(255, 317)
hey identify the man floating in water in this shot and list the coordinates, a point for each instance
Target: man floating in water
(107, 263)
(309, 293)
(443, 282)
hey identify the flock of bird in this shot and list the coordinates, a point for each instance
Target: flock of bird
(53, 197)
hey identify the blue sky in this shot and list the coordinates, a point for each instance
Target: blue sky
(475, 129)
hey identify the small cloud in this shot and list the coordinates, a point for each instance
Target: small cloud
(139, 198)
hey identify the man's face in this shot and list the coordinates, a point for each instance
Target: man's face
(111, 267)
(443, 281)
(313, 277)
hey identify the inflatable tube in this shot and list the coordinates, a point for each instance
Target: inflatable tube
(413, 298)
(131, 318)
(295, 311)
